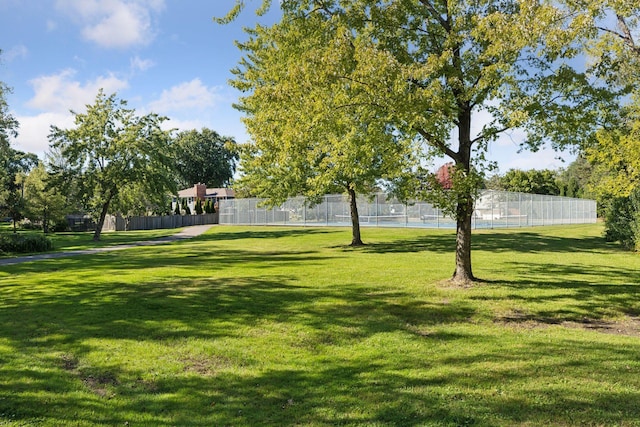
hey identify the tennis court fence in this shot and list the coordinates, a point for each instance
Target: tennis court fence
(493, 209)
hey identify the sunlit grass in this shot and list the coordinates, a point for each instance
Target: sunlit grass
(274, 326)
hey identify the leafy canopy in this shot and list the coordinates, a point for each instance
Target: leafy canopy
(112, 151)
(205, 157)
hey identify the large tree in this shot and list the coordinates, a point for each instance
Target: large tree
(432, 69)
(111, 149)
(205, 157)
(307, 140)
(8, 129)
(617, 57)
(532, 181)
(616, 155)
(15, 165)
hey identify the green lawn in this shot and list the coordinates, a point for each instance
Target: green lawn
(284, 327)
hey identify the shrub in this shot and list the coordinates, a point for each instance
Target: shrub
(622, 221)
(24, 243)
(27, 224)
(59, 226)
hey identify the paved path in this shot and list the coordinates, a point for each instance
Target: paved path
(186, 233)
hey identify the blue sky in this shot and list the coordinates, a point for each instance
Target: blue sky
(162, 56)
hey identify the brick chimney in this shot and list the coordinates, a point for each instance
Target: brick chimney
(200, 190)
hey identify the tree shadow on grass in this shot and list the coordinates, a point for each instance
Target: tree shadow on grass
(386, 387)
(513, 241)
(263, 232)
(443, 383)
(569, 292)
(59, 330)
(182, 254)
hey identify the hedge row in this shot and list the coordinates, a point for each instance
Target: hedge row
(24, 243)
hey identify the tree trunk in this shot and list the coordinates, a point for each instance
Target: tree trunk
(45, 222)
(464, 209)
(103, 215)
(463, 273)
(356, 240)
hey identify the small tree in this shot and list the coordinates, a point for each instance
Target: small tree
(44, 202)
(185, 207)
(313, 130)
(198, 207)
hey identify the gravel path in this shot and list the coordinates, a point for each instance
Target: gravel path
(186, 233)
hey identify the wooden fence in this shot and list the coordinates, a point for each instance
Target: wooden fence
(118, 223)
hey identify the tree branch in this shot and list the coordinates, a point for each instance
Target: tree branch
(434, 142)
(443, 22)
(628, 37)
(497, 132)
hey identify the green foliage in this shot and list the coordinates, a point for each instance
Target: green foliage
(44, 201)
(185, 207)
(616, 155)
(314, 132)
(622, 220)
(574, 181)
(135, 199)
(577, 179)
(208, 207)
(111, 154)
(24, 243)
(198, 207)
(532, 181)
(15, 165)
(205, 157)
(8, 123)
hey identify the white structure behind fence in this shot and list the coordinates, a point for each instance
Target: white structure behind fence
(493, 209)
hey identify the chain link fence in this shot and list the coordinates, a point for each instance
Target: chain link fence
(493, 209)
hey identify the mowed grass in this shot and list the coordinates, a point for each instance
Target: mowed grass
(290, 326)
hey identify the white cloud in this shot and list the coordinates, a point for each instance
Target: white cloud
(186, 96)
(138, 64)
(34, 131)
(16, 52)
(60, 93)
(545, 158)
(51, 25)
(56, 94)
(182, 125)
(114, 23)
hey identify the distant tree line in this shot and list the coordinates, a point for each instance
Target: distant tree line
(574, 181)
